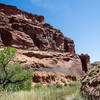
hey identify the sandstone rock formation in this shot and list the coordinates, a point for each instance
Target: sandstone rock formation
(39, 45)
(26, 31)
(51, 61)
(49, 64)
(91, 83)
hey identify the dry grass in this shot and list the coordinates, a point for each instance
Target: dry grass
(35, 94)
(71, 92)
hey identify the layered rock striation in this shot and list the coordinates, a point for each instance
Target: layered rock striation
(26, 31)
(39, 45)
(50, 67)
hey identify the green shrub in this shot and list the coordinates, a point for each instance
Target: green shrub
(74, 84)
(38, 85)
(88, 72)
(65, 84)
(57, 85)
(13, 76)
(84, 95)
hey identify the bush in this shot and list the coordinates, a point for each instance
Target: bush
(74, 84)
(57, 85)
(38, 85)
(65, 84)
(13, 76)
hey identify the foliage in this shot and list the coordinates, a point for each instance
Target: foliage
(38, 85)
(46, 93)
(13, 76)
(88, 72)
(35, 94)
(91, 70)
(73, 84)
(58, 85)
(65, 84)
(84, 95)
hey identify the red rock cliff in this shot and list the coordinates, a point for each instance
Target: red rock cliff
(40, 46)
(27, 31)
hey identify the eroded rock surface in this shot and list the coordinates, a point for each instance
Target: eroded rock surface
(51, 67)
(50, 61)
(51, 78)
(26, 31)
(39, 45)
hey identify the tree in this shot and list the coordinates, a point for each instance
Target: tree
(13, 76)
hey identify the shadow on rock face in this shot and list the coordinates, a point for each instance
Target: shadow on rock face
(85, 59)
(6, 37)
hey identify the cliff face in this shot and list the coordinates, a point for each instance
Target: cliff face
(26, 31)
(51, 67)
(39, 45)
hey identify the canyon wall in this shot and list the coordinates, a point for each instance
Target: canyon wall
(40, 46)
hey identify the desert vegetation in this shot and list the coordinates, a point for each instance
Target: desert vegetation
(16, 83)
(12, 75)
(49, 92)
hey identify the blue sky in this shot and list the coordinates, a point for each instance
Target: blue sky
(77, 19)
